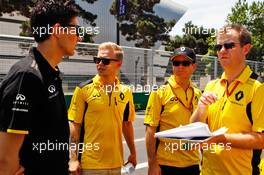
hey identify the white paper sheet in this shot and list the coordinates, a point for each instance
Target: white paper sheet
(194, 131)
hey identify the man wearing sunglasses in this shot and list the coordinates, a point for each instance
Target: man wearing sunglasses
(169, 107)
(105, 109)
(234, 101)
(33, 114)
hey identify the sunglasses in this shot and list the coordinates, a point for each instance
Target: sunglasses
(78, 29)
(183, 63)
(105, 61)
(228, 45)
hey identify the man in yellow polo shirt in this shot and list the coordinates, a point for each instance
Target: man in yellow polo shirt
(105, 108)
(169, 107)
(235, 101)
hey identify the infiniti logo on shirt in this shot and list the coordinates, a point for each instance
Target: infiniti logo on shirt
(20, 97)
(51, 88)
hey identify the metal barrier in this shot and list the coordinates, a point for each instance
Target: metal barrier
(141, 68)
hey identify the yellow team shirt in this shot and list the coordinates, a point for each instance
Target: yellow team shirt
(230, 111)
(103, 115)
(165, 110)
(261, 166)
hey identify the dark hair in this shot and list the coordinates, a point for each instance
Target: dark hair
(244, 34)
(47, 13)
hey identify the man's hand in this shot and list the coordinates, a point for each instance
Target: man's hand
(216, 139)
(154, 168)
(74, 167)
(207, 99)
(199, 115)
(133, 159)
(10, 145)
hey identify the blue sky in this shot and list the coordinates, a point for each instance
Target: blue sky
(209, 13)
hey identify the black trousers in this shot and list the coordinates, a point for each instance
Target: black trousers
(170, 170)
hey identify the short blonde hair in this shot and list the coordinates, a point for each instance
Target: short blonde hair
(118, 51)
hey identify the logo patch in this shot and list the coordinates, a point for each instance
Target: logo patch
(51, 89)
(239, 95)
(20, 97)
(122, 96)
(182, 49)
(174, 99)
(20, 103)
(97, 94)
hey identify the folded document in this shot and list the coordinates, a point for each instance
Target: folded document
(195, 131)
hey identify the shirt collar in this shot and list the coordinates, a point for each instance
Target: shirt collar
(96, 81)
(175, 85)
(43, 64)
(242, 78)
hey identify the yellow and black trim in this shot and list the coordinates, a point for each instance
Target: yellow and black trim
(17, 131)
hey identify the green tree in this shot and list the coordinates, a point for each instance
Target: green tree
(194, 37)
(141, 24)
(24, 8)
(252, 16)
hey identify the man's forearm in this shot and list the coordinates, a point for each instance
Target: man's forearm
(74, 140)
(9, 166)
(250, 140)
(128, 132)
(150, 144)
(199, 115)
(10, 145)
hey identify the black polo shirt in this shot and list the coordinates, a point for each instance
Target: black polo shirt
(32, 103)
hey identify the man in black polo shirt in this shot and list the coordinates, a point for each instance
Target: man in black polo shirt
(34, 129)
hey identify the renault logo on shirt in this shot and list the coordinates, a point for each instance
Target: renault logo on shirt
(97, 94)
(51, 89)
(174, 99)
(122, 96)
(239, 95)
(20, 97)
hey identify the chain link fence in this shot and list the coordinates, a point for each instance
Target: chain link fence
(141, 69)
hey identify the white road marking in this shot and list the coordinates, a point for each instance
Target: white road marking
(139, 166)
(140, 116)
(136, 140)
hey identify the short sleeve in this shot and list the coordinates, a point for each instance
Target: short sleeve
(153, 109)
(132, 114)
(77, 106)
(129, 111)
(258, 109)
(18, 97)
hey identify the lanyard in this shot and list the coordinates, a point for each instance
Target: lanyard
(232, 90)
(190, 106)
